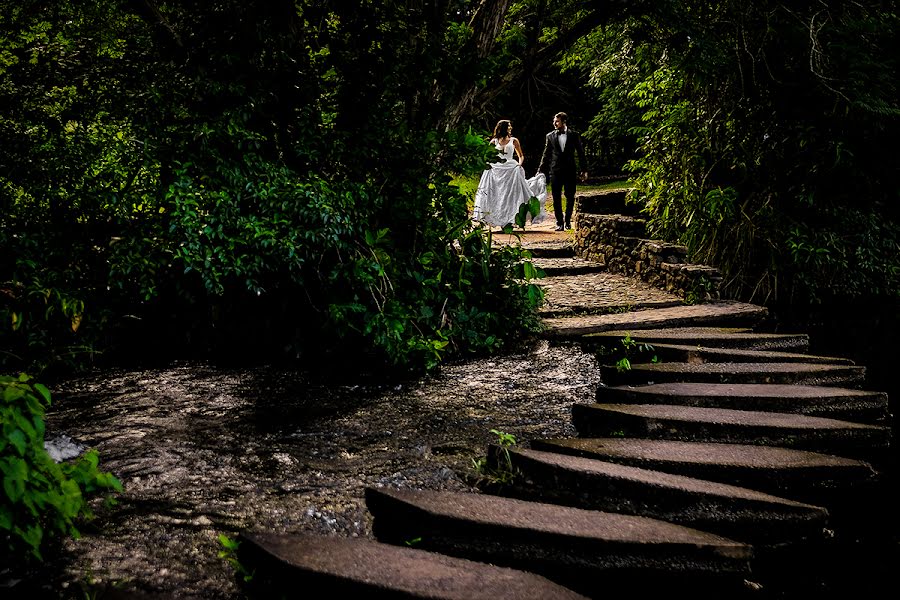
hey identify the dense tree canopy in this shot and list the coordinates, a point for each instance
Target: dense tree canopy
(276, 175)
(257, 175)
(263, 179)
(765, 136)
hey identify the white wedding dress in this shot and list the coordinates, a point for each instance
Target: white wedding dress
(503, 188)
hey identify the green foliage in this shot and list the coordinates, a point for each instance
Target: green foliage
(762, 160)
(499, 472)
(627, 351)
(245, 177)
(504, 439)
(41, 499)
(702, 289)
(229, 553)
(532, 207)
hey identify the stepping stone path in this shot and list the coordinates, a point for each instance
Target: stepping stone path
(717, 460)
(360, 568)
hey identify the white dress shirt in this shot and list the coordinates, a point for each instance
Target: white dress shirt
(563, 137)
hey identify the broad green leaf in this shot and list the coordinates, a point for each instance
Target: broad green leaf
(43, 391)
(18, 441)
(14, 488)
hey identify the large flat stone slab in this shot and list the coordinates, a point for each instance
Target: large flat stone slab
(290, 565)
(733, 314)
(582, 549)
(736, 512)
(686, 423)
(818, 401)
(736, 372)
(781, 471)
(555, 248)
(594, 293)
(710, 337)
(701, 354)
(568, 266)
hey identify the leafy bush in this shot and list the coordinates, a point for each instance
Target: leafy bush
(250, 183)
(41, 499)
(762, 161)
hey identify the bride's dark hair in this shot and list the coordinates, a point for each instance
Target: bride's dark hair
(502, 128)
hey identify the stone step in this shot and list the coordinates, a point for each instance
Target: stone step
(711, 337)
(702, 354)
(720, 313)
(819, 401)
(558, 305)
(688, 423)
(797, 474)
(580, 549)
(283, 564)
(735, 512)
(735, 372)
(567, 266)
(550, 249)
(602, 292)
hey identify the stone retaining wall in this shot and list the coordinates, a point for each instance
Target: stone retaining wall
(618, 241)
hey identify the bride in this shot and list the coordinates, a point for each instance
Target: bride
(503, 187)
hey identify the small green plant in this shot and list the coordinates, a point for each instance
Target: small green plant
(413, 541)
(702, 290)
(618, 310)
(504, 439)
(629, 349)
(503, 472)
(229, 553)
(41, 500)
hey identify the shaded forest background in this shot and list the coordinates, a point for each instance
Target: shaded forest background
(273, 179)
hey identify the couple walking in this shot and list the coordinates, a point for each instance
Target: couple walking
(503, 187)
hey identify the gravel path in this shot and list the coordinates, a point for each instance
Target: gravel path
(203, 451)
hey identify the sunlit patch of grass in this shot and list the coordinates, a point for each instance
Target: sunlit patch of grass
(618, 184)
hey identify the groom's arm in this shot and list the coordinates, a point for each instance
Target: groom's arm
(545, 157)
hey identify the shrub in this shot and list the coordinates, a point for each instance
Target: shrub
(41, 499)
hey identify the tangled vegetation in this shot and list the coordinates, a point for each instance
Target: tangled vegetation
(270, 180)
(242, 180)
(764, 138)
(41, 500)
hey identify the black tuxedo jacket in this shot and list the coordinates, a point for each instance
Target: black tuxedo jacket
(558, 164)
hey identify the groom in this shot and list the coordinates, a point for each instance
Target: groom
(558, 162)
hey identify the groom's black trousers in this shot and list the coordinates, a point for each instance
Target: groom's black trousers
(557, 184)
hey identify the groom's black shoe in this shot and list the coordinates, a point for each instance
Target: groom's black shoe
(559, 228)
(568, 226)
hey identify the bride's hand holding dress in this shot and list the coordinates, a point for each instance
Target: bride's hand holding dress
(503, 187)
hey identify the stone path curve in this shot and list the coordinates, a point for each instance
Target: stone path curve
(722, 464)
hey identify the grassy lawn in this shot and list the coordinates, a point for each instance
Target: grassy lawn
(619, 184)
